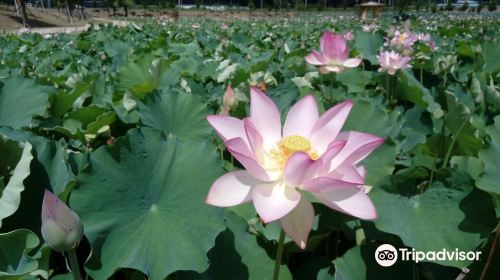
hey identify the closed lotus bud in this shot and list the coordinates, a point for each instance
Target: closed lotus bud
(61, 226)
(228, 100)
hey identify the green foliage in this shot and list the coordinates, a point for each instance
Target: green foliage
(492, 5)
(449, 6)
(145, 190)
(480, 7)
(113, 121)
(464, 7)
(402, 4)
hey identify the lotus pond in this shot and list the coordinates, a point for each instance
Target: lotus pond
(246, 148)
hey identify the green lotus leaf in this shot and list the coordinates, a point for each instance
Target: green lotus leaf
(411, 89)
(10, 197)
(20, 100)
(359, 263)
(449, 215)
(237, 255)
(141, 202)
(368, 45)
(15, 263)
(491, 53)
(489, 180)
(179, 114)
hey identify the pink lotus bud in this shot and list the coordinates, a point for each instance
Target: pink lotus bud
(61, 226)
(228, 100)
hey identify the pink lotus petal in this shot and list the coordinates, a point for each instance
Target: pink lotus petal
(352, 62)
(265, 116)
(301, 117)
(361, 171)
(327, 69)
(315, 58)
(239, 149)
(227, 127)
(300, 168)
(50, 206)
(352, 201)
(298, 223)
(254, 139)
(326, 184)
(333, 149)
(334, 47)
(349, 173)
(359, 145)
(275, 200)
(232, 189)
(328, 126)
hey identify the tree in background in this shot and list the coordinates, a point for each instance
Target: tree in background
(251, 5)
(401, 5)
(24, 15)
(343, 3)
(299, 5)
(125, 4)
(418, 4)
(449, 6)
(492, 5)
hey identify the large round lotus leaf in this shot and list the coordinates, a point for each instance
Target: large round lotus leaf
(180, 114)
(368, 44)
(142, 204)
(10, 196)
(20, 100)
(237, 255)
(15, 263)
(359, 263)
(490, 178)
(450, 215)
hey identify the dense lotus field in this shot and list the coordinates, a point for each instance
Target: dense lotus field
(183, 148)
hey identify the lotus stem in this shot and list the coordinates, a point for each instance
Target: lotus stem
(279, 253)
(73, 264)
(387, 88)
(492, 252)
(422, 75)
(453, 141)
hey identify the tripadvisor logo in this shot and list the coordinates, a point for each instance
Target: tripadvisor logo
(386, 255)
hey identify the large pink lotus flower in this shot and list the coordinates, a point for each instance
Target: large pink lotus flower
(310, 154)
(61, 227)
(391, 62)
(334, 55)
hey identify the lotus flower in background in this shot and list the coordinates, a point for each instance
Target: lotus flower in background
(426, 38)
(349, 36)
(391, 62)
(404, 40)
(369, 27)
(61, 227)
(310, 154)
(334, 55)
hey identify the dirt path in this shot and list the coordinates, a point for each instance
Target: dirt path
(69, 29)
